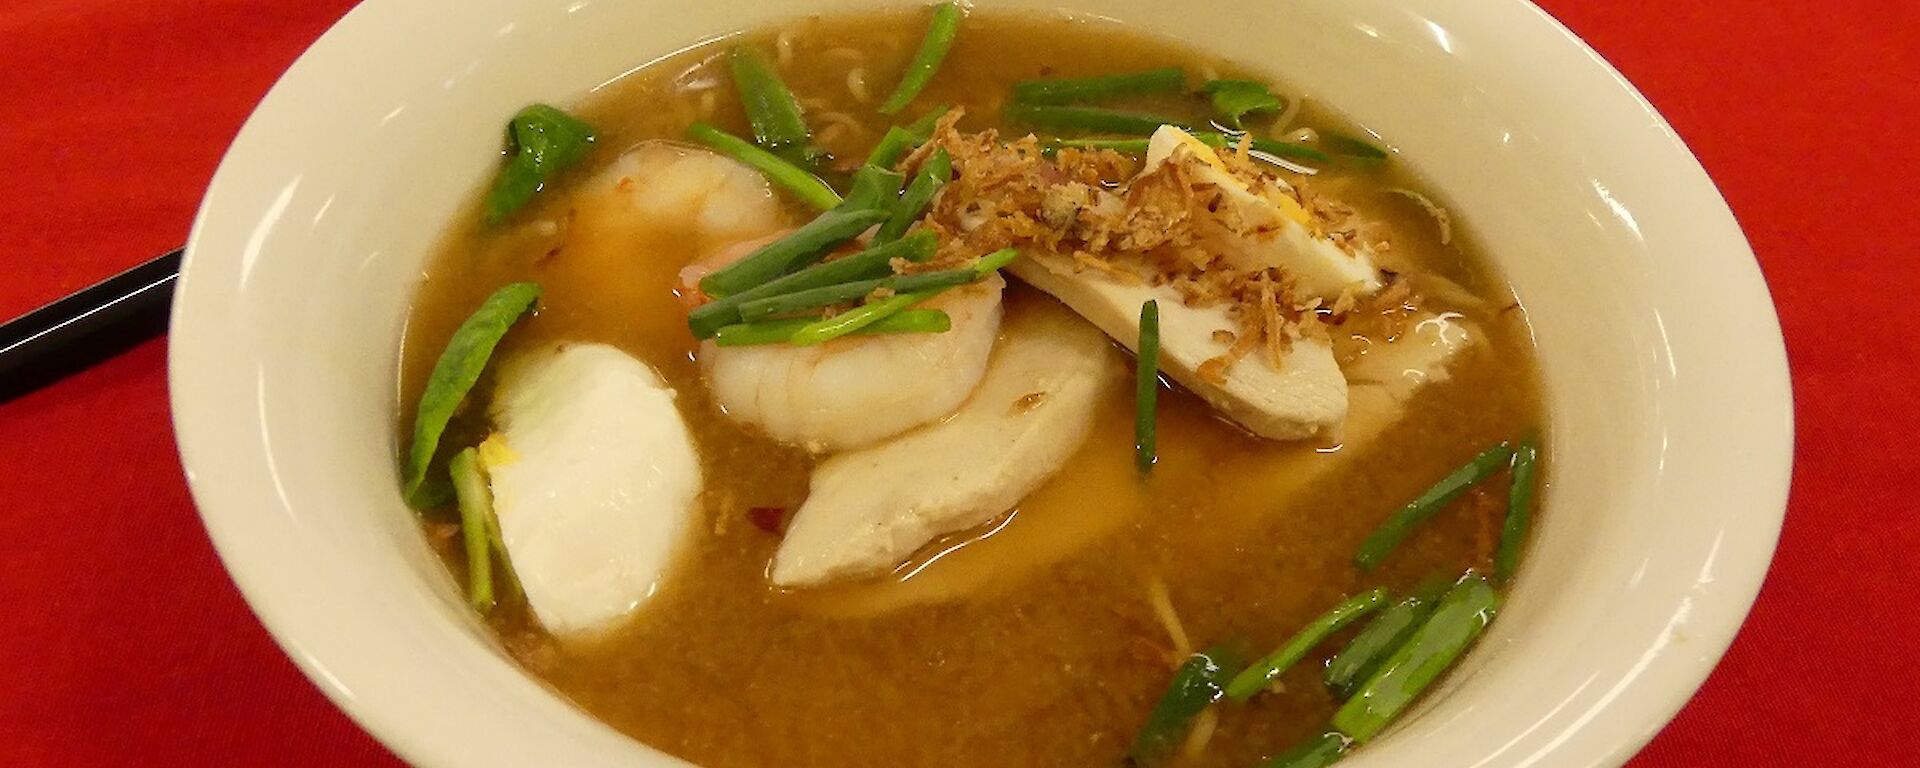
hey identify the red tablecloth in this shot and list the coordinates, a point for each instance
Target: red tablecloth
(123, 643)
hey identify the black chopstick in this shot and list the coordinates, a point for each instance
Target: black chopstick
(90, 325)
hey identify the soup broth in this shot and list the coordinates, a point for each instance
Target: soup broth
(976, 651)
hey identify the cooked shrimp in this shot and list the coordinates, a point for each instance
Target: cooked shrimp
(722, 201)
(856, 390)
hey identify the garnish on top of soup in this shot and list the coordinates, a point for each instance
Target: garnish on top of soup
(773, 405)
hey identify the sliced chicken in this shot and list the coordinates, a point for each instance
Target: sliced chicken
(1279, 235)
(1041, 536)
(594, 479)
(1303, 397)
(869, 509)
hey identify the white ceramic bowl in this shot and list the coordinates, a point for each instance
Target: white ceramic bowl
(1665, 372)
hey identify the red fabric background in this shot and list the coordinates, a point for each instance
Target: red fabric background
(123, 643)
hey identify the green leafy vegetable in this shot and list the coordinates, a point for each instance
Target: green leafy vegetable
(804, 185)
(1084, 89)
(926, 61)
(1256, 677)
(871, 263)
(476, 506)
(772, 109)
(1087, 119)
(1235, 99)
(1195, 685)
(1146, 390)
(1318, 752)
(933, 174)
(453, 375)
(782, 331)
(1460, 617)
(1513, 534)
(542, 141)
(1402, 522)
(1381, 636)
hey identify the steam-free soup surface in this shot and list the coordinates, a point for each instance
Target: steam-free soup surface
(1052, 666)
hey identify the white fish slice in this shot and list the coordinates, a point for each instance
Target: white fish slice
(595, 485)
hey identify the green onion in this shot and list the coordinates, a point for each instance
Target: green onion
(1318, 752)
(923, 127)
(926, 61)
(543, 141)
(874, 187)
(1348, 146)
(901, 139)
(871, 263)
(509, 579)
(1195, 685)
(1085, 89)
(1146, 388)
(852, 320)
(772, 109)
(1087, 119)
(996, 261)
(1459, 618)
(1398, 526)
(476, 505)
(893, 145)
(804, 245)
(804, 185)
(782, 331)
(933, 174)
(1513, 534)
(1261, 673)
(1385, 632)
(453, 376)
(824, 296)
(1234, 99)
(1215, 140)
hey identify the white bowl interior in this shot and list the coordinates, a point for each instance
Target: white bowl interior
(1670, 418)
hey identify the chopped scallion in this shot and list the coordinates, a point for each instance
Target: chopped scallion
(872, 263)
(804, 245)
(1513, 534)
(1263, 672)
(926, 61)
(824, 296)
(772, 109)
(782, 331)
(1085, 89)
(804, 185)
(1318, 752)
(1403, 521)
(1146, 391)
(1459, 618)
(476, 506)
(1195, 685)
(1087, 119)
(1381, 636)
(933, 174)
(828, 329)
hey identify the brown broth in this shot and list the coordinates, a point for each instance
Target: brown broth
(1050, 666)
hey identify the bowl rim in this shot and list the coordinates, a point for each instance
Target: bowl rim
(196, 443)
